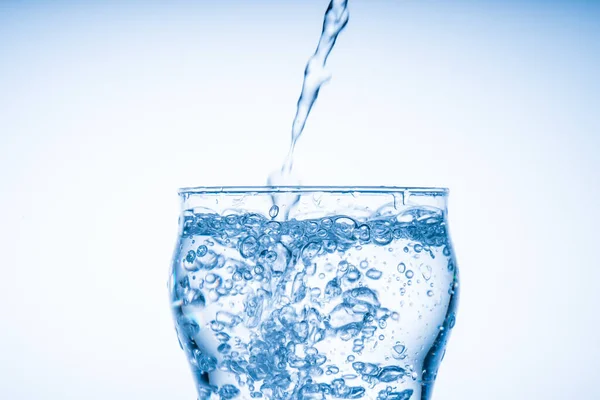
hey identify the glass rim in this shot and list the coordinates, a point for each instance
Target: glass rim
(431, 191)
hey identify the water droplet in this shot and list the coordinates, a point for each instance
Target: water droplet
(274, 211)
(430, 293)
(381, 337)
(364, 264)
(410, 274)
(418, 248)
(406, 249)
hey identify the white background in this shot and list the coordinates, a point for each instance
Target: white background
(106, 109)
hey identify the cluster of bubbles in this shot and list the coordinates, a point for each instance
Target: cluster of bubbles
(287, 308)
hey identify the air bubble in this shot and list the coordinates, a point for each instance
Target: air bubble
(399, 349)
(224, 348)
(249, 247)
(284, 293)
(391, 373)
(310, 251)
(401, 267)
(363, 233)
(227, 319)
(201, 251)
(213, 281)
(452, 321)
(374, 274)
(222, 336)
(228, 392)
(274, 211)
(191, 256)
(446, 251)
(426, 271)
(343, 266)
(352, 275)
(332, 370)
(194, 298)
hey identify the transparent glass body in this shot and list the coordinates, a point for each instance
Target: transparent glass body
(314, 292)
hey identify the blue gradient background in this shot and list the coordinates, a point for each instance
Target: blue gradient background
(106, 108)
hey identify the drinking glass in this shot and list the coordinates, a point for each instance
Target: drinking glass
(314, 292)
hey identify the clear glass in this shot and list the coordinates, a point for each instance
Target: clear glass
(314, 292)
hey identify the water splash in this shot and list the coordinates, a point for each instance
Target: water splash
(315, 75)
